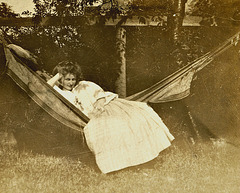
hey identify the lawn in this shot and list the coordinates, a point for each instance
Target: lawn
(207, 166)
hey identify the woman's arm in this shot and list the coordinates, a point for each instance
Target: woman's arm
(53, 81)
(99, 104)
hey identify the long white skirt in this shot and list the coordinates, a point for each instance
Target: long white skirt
(126, 133)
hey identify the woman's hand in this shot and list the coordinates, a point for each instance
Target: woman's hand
(99, 104)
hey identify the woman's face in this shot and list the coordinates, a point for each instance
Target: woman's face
(69, 81)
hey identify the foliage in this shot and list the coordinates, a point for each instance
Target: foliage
(151, 57)
(214, 12)
(115, 7)
(92, 47)
(83, 43)
(60, 7)
(6, 11)
(95, 51)
(78, 7)
(205, 8)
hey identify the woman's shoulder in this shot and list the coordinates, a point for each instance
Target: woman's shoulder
(87, 86)
(85, 83)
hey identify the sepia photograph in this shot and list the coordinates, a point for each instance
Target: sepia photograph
(113, 96)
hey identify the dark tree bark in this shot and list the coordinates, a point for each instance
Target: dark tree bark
(175, 22)
(178, 20)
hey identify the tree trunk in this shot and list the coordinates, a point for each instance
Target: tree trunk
(120, 83)
(178, 21)
(175, 21)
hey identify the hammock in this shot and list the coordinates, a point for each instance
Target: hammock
(177, 85)
(172, 88)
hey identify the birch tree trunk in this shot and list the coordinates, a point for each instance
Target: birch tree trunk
(120, 84)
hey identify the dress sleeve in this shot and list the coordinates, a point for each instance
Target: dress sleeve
(100, 93)
(89, 93)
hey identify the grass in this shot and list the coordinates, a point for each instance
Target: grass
(203, 167)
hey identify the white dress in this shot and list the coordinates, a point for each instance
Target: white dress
(126, 133)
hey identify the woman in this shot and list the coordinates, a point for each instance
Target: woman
(120, 133)
(66, 76)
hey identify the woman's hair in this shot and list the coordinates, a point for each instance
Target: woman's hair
(67, 67)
